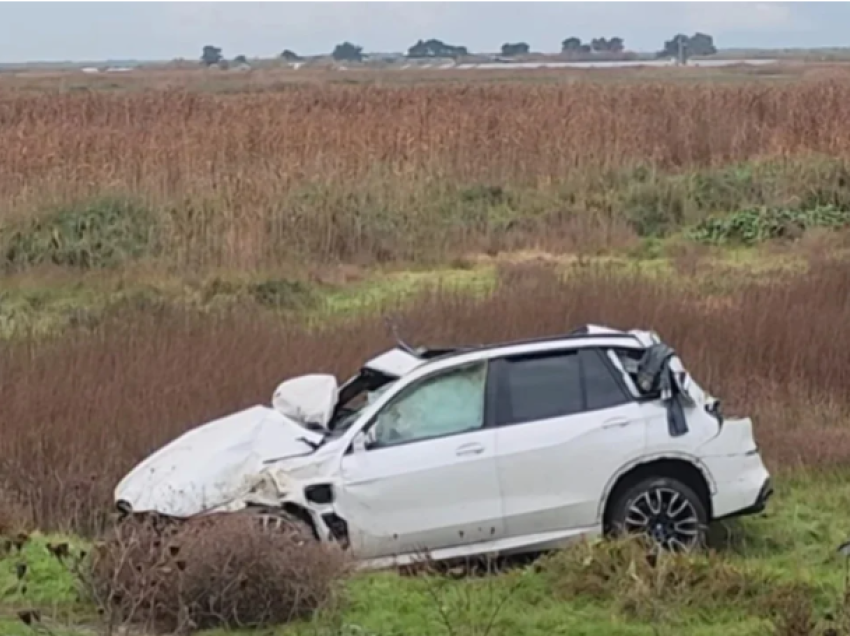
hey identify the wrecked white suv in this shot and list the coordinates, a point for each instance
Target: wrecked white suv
(506, 448)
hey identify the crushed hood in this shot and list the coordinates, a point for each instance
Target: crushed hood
(213, 464)
(216, 464)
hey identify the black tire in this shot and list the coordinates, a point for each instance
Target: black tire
(664, 510)
(278, 521)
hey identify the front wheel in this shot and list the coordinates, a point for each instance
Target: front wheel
(280, 522)
(664, 510)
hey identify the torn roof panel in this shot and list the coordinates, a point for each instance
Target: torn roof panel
(395, 363)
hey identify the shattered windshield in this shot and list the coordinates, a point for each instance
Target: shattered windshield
(444, 404)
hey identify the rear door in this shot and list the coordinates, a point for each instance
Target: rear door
(565, 424)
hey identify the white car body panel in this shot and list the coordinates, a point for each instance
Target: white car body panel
(394, 362)
(556, 470)
(395, 499)
(514, 488)
(212, 465)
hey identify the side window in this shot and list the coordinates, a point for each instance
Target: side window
(602, 389)
(445, 404)
(538, 388)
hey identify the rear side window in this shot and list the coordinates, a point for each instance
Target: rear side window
(555, 385)
(538, 388)
(601, 387)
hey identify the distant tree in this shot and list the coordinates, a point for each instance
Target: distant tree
(211, 55)
(240, 59)
(599, 45)
(698, 44)
(603, 45)
(290, 56)
(347, 52)
(571, 45)
(435, 48)
(672, 47)
(702, 44)
(510, 50)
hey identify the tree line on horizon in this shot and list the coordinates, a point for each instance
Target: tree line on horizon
(680, 46)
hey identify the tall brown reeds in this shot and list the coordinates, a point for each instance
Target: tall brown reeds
(342, 171)
(81, 410)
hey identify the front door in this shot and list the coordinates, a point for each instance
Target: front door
(428, 479)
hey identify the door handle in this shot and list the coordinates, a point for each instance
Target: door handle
(617, 422)
(469, 449)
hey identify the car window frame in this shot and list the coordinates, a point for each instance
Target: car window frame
(634, 391)
(498, 376)
(418, 383)
(614, 374)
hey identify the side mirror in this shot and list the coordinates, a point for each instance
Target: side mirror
(359, 443)
(363, 441)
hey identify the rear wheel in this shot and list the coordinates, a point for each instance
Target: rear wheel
(664, 510)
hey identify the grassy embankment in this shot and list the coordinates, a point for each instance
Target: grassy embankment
(136, 224)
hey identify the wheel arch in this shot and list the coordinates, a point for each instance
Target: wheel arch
(294, 510)
(302, 514)
(688, 470)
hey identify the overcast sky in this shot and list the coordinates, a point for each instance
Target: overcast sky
(47, 31)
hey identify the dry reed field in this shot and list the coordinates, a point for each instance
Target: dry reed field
(251, 204)
(81, 410)
(329, 172)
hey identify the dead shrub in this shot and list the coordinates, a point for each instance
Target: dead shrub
(219, 571)
(688, 258)
(528, 275)
(14, 516)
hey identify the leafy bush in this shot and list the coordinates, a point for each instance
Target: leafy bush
(653, 209)
(753, 226)
(214, 571)
(104, 233)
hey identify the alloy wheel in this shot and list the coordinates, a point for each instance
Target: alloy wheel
(665, 516)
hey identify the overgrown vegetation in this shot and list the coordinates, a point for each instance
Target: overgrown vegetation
(653, 586)
(756, 226)
(104, 233)
(776, 574)
(418, 172)
(251, 224)
(138, 379)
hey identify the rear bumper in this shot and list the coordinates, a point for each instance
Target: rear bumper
(742, 485)
(764, 493)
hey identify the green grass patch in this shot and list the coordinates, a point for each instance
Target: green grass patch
(382, 289)
(33, 578)
(767, 571)
(44, 305)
